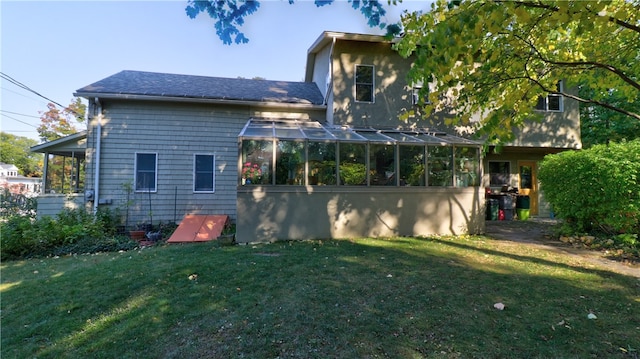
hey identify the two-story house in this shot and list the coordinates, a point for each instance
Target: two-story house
(17, 184)
(329, 157)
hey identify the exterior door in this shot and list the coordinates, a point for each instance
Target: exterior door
(528, 177)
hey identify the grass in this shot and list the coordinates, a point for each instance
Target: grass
(368, 298)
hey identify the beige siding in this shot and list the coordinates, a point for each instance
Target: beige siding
(271, 213)
(175, 132)
(393, 98)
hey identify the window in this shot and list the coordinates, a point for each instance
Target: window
(204, 173)
(256, 161)
(322, 163)
(353, 164)
(467, 161)
(290, 161)
(307, 153)
(382, 164)
(364, 83)
(412, 165)
(420, 95)
(146, 172)
(552, 102)
(499, 173)
(440, 158)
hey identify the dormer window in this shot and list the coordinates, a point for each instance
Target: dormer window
(552, 102)
(364, 83)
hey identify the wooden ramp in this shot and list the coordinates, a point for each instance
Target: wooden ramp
(199, 228)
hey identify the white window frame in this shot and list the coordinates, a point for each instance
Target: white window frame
(372, 83)
(415, 95)
(135, 173)
(213, 172)
(545, 103)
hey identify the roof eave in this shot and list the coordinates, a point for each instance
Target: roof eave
(118, 96)
(41, 148)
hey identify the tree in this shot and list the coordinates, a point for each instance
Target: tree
(229, 14)
(498, 57)
(599, 125)
(15, 150)
(56, 123)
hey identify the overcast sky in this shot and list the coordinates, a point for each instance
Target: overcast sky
(57, 47)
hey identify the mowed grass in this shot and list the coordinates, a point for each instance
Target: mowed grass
(368, 298)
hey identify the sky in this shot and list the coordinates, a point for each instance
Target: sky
(58, 47)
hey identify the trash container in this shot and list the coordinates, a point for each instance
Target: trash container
(492, 209)
(523, 206)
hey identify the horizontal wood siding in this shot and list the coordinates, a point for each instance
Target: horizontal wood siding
(49, 205)
(175, 131)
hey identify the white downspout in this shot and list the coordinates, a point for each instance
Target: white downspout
(96, 179)
(330, 82)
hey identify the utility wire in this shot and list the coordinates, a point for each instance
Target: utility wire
(15, 119)
(23, 86)
(19, 114)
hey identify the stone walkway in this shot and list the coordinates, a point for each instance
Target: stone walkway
(539, 232)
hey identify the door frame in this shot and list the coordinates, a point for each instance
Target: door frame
(534, 190)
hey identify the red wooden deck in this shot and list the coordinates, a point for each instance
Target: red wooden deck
(199, 228)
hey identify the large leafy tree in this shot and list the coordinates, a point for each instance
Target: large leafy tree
(599, 125)
(15, 150)
(229, 15)
(56, 123)
(498, 57)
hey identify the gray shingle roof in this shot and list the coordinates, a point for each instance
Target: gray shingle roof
(141, 83)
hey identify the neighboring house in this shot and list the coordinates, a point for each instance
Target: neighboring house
(325, 158)
(16, 183)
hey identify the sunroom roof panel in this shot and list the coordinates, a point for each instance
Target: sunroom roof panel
(376, 136)
(346, 134)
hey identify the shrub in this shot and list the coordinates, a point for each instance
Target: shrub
(596, 189)
(72, 231)
(12, 204)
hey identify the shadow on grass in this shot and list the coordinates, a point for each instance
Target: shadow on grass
(318, 299)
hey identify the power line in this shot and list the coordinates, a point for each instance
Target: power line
(19, 114)
(25, 87)
(15, 119)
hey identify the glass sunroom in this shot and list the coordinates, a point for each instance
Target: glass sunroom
(306, 153)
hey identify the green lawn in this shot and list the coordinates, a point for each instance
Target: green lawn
(369, 298)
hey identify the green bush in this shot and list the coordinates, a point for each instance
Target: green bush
(596, 189)
(12, 204)
(72, 231)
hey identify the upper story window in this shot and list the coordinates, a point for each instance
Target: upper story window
(146, 168)
(552, 102)
(364, 83)
(204, 173)
(420, 95)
